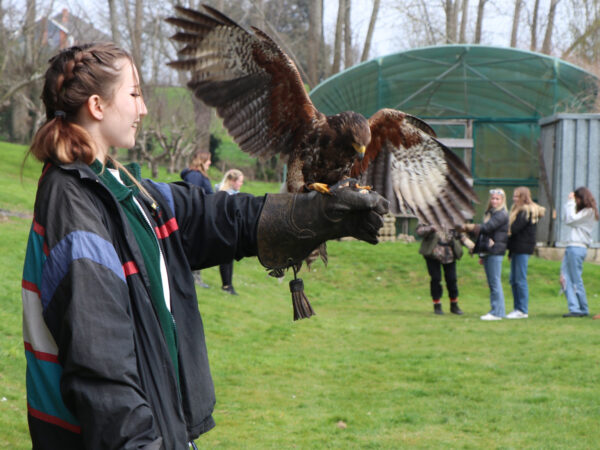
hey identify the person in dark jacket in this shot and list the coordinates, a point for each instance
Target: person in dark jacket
(114, 342)
(522, 223)
(231, 183)
(491, 238)
(197, 174)
(441, 250)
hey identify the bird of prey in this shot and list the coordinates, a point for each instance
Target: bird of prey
(258, 92)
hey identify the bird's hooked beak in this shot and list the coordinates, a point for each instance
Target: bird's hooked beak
(360, 150)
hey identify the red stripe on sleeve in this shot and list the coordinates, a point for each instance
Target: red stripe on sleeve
(41, 355)
(28, 285)
(165, 230)
(130, 268)
(53, 420)
(38, 228)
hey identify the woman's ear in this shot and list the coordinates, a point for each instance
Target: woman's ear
(95, 107)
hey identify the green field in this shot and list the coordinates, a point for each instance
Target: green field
(374, 357)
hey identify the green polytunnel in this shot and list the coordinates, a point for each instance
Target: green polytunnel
(483, 102)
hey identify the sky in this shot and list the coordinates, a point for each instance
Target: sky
(389, 36)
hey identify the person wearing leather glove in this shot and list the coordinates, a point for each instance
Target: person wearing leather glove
(291, 226)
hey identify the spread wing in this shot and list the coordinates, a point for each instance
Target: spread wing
(254, 85)
(425, 177)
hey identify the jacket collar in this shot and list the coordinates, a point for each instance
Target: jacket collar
(80, 168)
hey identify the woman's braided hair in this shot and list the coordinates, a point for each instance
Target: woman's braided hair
(74, 75)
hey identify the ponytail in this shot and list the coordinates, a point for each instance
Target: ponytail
(63, 142)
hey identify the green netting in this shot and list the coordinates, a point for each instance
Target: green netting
(460, 81)
(503, 91)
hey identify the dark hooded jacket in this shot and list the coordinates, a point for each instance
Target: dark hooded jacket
(99, 374)
(195, 177)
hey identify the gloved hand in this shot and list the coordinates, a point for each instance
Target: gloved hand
(292, 225)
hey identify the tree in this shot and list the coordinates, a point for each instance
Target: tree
(462, 37)
(168, 134)
(315, 31)
(370, 31)
(348, 55)
(451, 10)
(534, 26)
(114, 23)
(546, 46)
(515, 23)
(479, 21)
(339, 33)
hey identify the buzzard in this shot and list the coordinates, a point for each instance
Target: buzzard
(258, 92)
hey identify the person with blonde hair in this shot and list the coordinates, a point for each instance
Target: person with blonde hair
(231, 183)
(491, 238)
(197, 174)
(522, 226)
(580, 215)
(113, 338)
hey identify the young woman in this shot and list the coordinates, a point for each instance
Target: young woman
(114, 342)
(523, 219)
(197, 174)
(231, 183)
(441, 250)
(491, 238)
(580, 214)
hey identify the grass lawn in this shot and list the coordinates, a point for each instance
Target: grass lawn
(374, 357)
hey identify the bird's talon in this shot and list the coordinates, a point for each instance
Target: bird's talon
(320, 187)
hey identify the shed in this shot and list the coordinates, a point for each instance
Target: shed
(571, 158)
(483, 102)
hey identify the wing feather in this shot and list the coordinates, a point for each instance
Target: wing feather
(255, 87)
(427, 178)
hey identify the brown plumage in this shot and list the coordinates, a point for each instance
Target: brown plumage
(258, 91)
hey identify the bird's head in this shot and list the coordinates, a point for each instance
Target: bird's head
(354, 132)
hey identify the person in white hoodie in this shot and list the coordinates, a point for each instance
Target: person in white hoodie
(579, 214)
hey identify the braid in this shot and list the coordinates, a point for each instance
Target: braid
(74, 75)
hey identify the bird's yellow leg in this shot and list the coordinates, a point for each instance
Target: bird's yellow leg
(368, 188)
(319, 187)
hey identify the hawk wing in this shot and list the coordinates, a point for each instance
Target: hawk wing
(254, 85)
(426, 178)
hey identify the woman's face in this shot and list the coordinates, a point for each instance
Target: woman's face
(122, 115)
(516, 199)
(237, 184)
(496, 200)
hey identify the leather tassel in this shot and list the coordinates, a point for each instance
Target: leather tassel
(302, 308)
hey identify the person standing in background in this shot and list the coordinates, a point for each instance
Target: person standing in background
(197, 174)
(522, 227)
(232, 183)
(580, 213)
(441, 250)
(491, 239)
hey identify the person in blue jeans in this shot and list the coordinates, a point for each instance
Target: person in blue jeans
(522, 226)
(491, 238)
(580, 214)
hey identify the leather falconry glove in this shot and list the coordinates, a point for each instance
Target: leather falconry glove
(291, 226)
